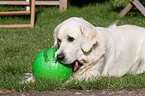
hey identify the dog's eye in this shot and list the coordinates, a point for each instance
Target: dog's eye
(70, 39)
(58, 40)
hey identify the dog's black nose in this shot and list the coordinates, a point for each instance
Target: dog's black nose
(60, 57)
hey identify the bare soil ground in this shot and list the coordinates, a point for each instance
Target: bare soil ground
(106, 92)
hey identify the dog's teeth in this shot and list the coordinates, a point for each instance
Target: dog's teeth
(82, 62)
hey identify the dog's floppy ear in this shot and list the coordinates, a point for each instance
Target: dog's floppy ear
(89, 36)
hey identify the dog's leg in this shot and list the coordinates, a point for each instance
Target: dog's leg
(28, 77)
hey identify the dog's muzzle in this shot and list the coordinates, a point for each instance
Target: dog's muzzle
(75, 65)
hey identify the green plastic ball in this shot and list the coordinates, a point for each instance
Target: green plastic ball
(46, 66)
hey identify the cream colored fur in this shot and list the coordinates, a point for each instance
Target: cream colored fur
(112, 51)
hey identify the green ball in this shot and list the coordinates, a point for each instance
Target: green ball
(46, 66)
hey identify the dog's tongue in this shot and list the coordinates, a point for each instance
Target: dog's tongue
(76, 66)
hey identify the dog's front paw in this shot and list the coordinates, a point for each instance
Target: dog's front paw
(28, 77)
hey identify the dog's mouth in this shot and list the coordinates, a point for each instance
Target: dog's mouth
(77, 64)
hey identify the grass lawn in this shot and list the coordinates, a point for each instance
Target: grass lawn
(18, 47)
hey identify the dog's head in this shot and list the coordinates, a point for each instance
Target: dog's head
(74, 38)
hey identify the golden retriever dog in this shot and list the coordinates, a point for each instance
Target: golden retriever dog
(97, 51)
